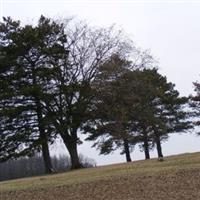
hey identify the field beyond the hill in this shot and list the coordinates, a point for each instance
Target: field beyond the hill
(177, 178)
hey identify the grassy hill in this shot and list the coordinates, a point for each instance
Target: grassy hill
(177, 178)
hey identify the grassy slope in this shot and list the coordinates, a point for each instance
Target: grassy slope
(178, 177)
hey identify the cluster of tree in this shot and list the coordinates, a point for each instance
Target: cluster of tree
(33, 166)
(45, 76)
(62, 79)
(134, 106)
(195, 105)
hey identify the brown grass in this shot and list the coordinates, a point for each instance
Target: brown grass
(177, 178)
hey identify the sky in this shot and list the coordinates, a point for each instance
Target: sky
(170, 29)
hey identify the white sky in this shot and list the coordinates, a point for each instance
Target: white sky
(170, 29)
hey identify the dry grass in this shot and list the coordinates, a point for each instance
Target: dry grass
(177, 178)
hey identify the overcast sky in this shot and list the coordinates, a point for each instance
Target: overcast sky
(170, 29)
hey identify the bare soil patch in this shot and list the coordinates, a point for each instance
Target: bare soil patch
(177, 178)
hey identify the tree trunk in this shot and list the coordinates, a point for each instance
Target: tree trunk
(44, 140)
(75, 163)
(71, 145)
(127, 150)
(46, 157)
(159, 148)
(146, 148)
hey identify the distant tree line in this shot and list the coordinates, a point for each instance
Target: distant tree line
(33, 166)
(66, 78)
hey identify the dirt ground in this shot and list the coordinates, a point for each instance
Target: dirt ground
(183, 185)
(168, 183)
